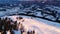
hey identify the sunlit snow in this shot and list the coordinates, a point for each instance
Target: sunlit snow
(37, 25)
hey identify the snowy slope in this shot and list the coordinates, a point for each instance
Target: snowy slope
(39, 25)
(37, 11)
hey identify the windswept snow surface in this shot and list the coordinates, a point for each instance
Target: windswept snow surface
(39, 25)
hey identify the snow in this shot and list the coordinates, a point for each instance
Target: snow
(17, 32)
(39, 25)
(51, 7)
(36, 12)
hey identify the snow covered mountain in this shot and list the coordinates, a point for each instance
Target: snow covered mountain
(43, 17)
(45, 11)
(39, 25)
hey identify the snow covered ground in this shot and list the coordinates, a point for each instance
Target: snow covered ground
(40, 26)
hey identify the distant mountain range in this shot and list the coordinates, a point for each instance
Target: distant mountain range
(51, 2)
(30, 0)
